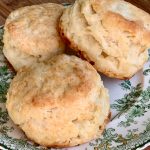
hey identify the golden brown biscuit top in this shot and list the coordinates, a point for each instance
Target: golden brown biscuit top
(116, 25)
(33, 29)
(62, 81)
(113, 34)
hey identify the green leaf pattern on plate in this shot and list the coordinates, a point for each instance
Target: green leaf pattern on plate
(122, 133)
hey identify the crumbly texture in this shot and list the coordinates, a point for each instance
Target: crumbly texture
(31, 34)
(112, 34)
(60, 103)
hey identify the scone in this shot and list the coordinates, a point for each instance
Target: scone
(60, 103)
(113, 35)
(31, 34)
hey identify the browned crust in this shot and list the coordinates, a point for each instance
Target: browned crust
(73, 46)
(10, 66)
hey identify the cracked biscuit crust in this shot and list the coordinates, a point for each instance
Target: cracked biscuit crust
(31, 34)
(113, 34)
(60, 103)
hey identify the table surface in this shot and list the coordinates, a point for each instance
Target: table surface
(6, 6)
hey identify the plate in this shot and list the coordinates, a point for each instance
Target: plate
(128, 129)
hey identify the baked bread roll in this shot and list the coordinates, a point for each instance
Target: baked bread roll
(113, 35)
(31, 34)
(60, 103)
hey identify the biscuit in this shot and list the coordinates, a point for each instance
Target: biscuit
(112, 34)
(31, 34)
(60, 103)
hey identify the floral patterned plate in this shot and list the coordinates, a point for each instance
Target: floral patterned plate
(128, 129)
